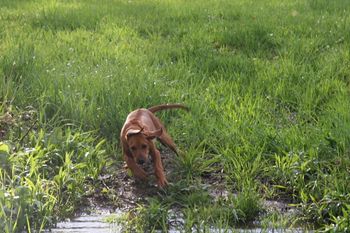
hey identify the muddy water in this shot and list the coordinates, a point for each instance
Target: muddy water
(96, 223)
(103, 221)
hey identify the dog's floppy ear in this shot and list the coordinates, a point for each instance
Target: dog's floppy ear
(131, 132)
(153, 134)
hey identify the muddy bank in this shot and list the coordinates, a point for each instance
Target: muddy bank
(118, 194)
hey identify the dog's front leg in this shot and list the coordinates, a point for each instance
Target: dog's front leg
(158, 168)
(135, 169)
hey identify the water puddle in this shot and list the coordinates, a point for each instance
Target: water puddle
(100, 224)
(97, 222)
(102, 220)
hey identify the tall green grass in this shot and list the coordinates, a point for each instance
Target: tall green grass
(267, 83)
(47, 179)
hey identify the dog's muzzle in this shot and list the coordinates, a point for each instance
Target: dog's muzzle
(141, 161)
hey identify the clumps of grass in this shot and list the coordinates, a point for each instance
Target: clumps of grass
(187, 207)
(17, 68)
(198, 161)
(18, 64)
(153, 216)
(326, 6)
(44, 174)
(340, 223)
(25, 204)
(68, 17)
(322, 198)
(253, 40)
(331, 209)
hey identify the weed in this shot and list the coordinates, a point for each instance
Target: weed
(45, 175)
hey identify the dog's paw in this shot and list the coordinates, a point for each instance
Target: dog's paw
(140, 174)
(162, 183)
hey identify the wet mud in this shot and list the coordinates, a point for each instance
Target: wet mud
(120, 193)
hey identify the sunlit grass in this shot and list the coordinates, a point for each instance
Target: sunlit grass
(267, 83)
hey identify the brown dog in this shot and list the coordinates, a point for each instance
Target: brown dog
(139, 130)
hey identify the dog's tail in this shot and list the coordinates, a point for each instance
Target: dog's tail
(167, 106)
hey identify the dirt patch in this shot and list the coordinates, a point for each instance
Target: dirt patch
(120, 190)
(15, 121)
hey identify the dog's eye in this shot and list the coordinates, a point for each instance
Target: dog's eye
(144, 146)
(133, 148)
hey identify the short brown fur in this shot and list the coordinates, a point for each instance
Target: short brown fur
(139, 130)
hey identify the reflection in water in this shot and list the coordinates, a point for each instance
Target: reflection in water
(95, 223)
(99, 223)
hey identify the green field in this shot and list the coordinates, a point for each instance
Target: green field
(267, 82)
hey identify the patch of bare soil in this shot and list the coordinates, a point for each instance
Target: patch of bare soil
(19, 121)
(118, 189)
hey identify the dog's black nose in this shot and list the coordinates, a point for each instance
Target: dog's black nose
(140, 161)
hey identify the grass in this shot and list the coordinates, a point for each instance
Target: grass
(267, 83)
(44, 174)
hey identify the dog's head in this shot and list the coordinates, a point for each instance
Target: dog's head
(139, 142)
